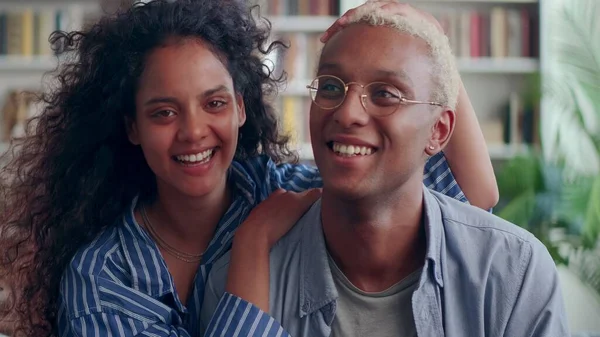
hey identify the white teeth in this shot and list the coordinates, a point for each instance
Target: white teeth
(198, 157)
(352, 150)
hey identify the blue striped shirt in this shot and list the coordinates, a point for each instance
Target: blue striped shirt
(119, 285)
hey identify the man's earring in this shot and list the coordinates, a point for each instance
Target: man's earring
(431, 147)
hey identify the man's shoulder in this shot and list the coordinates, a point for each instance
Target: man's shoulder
(280, 253)
(469, 219)
(479, 240)
(287, 243)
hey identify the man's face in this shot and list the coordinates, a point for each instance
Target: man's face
(392, 148)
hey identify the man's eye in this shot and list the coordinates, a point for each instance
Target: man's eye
(330, 87)
(384, 94)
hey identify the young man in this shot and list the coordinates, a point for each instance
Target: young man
(380, 254)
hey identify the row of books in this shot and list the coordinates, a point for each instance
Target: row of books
(500, 32)
(301, 58)
(26, 32)
(299, 7)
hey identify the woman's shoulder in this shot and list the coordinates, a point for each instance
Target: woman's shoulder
(91, 257)
(269, 176)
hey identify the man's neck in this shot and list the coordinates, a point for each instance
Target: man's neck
(376, 243)
(188, 223)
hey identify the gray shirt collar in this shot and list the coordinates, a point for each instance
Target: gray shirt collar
(317, 287)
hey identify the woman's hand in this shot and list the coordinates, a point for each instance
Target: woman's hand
(390, 7)
(248, 275)
(276, 215)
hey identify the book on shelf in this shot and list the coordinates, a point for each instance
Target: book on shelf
(19, 106)
(298, 7)
(300, 60)
(294, 117)
(25, 32)
(498, 32)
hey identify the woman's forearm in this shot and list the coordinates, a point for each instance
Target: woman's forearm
(468, 156)
(248, 276)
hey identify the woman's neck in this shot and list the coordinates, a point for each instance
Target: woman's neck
(188, 222)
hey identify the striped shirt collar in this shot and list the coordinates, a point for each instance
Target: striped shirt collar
(132, 237)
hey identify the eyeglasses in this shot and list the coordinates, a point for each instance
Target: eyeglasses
(378, 98)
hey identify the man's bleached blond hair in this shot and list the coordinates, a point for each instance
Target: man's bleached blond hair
(444, 73)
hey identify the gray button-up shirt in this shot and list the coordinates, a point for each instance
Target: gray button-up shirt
(482, 276)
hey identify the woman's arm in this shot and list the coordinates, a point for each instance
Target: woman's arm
(248, 275)
(468, 156)
(246, 293)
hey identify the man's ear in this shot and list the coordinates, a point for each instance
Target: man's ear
(241, 110)
(132, 131)
(441, 131)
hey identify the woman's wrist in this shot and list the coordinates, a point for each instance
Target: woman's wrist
(253, 235)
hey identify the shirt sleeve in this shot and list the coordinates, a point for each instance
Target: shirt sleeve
(437, 176)
(292, 177)
(92, 306)
(539, 308)
(236, 317)
(224, 314)
(105, 324)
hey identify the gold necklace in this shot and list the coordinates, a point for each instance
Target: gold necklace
(182, 256)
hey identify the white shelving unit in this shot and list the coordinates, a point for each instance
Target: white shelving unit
(519, 65)
(27, 64)
(477, 1)
(307, 24)
(3, 147)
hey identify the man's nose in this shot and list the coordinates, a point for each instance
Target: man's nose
(352, 111)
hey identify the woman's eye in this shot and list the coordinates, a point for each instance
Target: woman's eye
(164, 113)
(216, 104)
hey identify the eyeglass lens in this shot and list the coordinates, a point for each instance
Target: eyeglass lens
(329, 92)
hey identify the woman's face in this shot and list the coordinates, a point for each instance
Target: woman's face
(187, 118)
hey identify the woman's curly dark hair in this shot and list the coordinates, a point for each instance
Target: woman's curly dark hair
(75, 171)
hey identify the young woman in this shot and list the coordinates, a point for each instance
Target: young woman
(155, 147)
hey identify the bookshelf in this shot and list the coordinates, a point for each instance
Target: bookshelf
(301, 23)
(26, 64)
(25, 53)
(490, 80)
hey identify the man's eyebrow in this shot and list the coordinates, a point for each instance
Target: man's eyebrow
(328, 66)
(401, 75)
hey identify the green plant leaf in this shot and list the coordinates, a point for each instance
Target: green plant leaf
(520, 209)
(575, 42)
(518, 175)
(591, 227)
(573, 205)
(571, 123)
